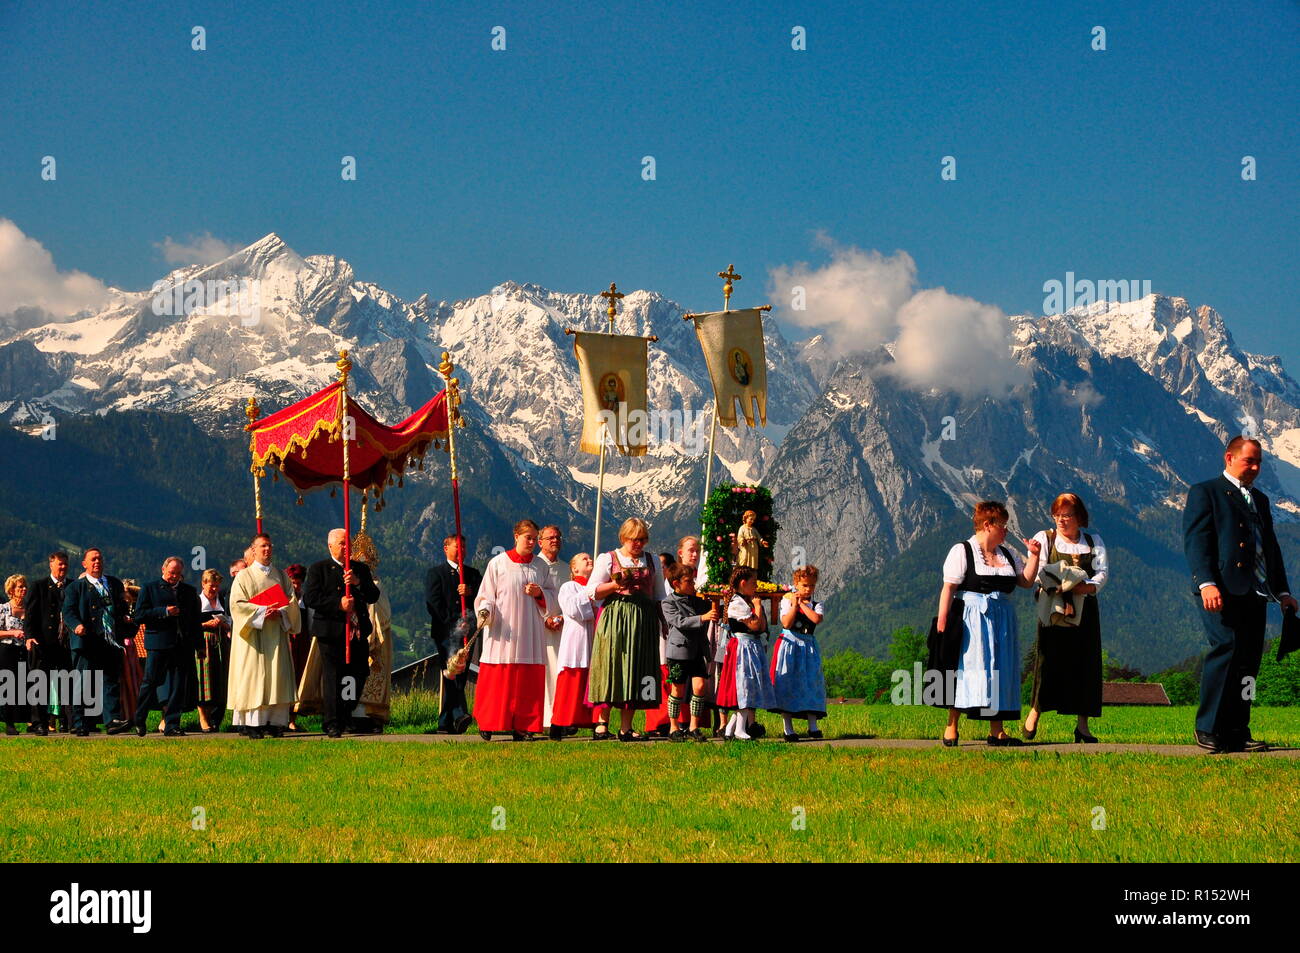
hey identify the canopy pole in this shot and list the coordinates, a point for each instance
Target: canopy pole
(344, 366)
(452, 390)
(252, 412)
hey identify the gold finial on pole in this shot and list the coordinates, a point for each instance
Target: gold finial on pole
(613, 294)
(252, 411)
(730, 275)
(344, 364)
(446, 368)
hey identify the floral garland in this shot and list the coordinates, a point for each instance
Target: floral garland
(720, 519)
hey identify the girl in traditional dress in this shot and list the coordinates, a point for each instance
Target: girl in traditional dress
(1067, 658)
(797, 681)
(745, 684)
(571, 708)
(517, 593)
(625, 670)
(979, 575)
(210, 664)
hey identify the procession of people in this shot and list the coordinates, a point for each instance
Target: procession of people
(584, 643)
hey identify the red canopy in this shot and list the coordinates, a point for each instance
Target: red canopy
(302, 441)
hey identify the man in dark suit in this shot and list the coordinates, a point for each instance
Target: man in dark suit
(97, 619)
(1237, 568)
(169, 610)
(323, 594)
(442, 593)
(43, 621)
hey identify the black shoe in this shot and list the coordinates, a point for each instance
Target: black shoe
(254, 734)
(1210, 742)
(82, 732)
(815, 734)
(756, 730)
(697, 735)
(485, 735)
(1007, 742)
(520, 736)
(275, 731)
(1081, 739)
(38, 730)
(791, 738)
(175, 733)
(677, 735)
(605, 735)
(462, 724)
(11, 729)
(555, 733)
(951, 742)
(1247, 743)
(117, 726)
(141, 729)
(570, 730)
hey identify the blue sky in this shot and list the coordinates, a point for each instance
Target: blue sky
(474, 166)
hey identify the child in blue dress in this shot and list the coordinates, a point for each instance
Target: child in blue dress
(797, 680)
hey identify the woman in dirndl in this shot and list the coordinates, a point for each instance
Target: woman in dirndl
(1067, 658)
(625, 672)
(979, 575)
(209, 660)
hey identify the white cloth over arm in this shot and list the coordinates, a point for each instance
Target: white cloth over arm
(1100, 564)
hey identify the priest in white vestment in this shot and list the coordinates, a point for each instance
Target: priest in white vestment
(261, 684)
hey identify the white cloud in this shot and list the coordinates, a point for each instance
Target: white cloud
(198, 250)
(33, 291)
(863, 299)
(854, 299)
(954, 343)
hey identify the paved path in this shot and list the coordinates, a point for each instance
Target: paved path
(1039, 747)
(1042, 747)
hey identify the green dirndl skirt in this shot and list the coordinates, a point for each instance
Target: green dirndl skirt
(625, 654)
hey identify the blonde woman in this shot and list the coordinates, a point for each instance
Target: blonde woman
(13, 646)
(625, 671)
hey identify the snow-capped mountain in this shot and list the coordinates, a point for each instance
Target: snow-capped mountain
(1126, 403)
(269, 323)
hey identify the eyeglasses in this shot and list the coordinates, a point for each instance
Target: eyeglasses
(1062, 517)
(548, 538)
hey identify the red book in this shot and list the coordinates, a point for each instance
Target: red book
(273, 598)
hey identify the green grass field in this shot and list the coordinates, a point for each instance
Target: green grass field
(131, 800)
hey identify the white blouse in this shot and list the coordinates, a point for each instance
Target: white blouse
(954, 566)
(1100, 566)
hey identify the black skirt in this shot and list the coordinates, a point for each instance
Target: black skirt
(1067, 666)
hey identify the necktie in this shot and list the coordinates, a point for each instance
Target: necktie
(1261, 565)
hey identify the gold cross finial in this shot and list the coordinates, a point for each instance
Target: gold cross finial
(252, 410)
(613, 294)
(344, 365)
(730, 275)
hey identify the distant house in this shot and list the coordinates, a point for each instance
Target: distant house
(1133, 693)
